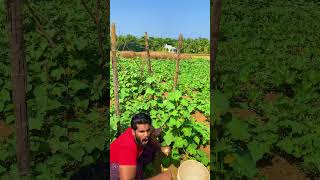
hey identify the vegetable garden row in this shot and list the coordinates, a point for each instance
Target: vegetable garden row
(267, 90)
(172, 103)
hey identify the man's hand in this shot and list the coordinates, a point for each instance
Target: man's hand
(127, 172)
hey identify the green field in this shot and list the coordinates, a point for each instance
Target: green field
(267, 88)
(65, 93)
(171, 110)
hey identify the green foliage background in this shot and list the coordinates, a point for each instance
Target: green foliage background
(268, 47)
(66, 97)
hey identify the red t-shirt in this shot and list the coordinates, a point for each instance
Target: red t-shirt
(124, 150)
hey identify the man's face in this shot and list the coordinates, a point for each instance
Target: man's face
(142, 134)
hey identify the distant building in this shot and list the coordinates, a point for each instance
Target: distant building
(170, 48)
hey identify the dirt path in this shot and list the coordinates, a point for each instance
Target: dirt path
(270, 97)
(281, 169)
(5, 130)
(199, 116)
(242, 113)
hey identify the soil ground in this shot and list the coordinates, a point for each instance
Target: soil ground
(270, 97)
(5, 130)
(281, 169)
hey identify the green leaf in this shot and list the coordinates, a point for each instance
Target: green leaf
(186, 114)
(35, 68)
(314, 76)
(184, 102)
(220, 103)
(57, 160)
(58, 131)
(187, 131)
(80, 43)
(93, 116)
(153, 103)
(10, 119)
(196, 139)
(77, 85)
(5, 95)
(57, 73)
(87, 160)
(41, 95)
(150, 80)
(4, 154)
(179, 123)
(2, 105)
(149, 91)
(56, 145)
(258, 149)
(82, 103)
(78, 63)
(44, 76)
(37, 121)
(76, 151)
(81, 135)
(90, 145)
(2, 169)
(174, 113)
(312, 160)
(192, 149)
(174, 96)
(190, 109)
(172, 122)
(204, 160)
(238, 129)
(166, 161)
(53, 104)
(245, 165)
(169, 105)
(58, 90)
(113, 122)
(287, 145)
(180, 143)
(168, 138)
(99, 142)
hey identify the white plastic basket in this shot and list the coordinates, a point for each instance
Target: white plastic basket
(193, 170)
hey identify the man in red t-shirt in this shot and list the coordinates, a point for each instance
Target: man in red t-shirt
(127, 148)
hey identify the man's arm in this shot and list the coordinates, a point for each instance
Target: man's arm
(127, 172)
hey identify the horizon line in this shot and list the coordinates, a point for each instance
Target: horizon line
(122, 34)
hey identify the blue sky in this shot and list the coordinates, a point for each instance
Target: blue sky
(161, 18)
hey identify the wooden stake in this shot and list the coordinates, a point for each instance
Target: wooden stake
(148, 53)
(114, 69)
(19, 83)
(215, 26)
(215, 15)
(175, 82)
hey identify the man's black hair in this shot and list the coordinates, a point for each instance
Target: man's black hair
(140, 118)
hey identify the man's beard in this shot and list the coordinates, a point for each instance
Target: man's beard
(139, 142)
